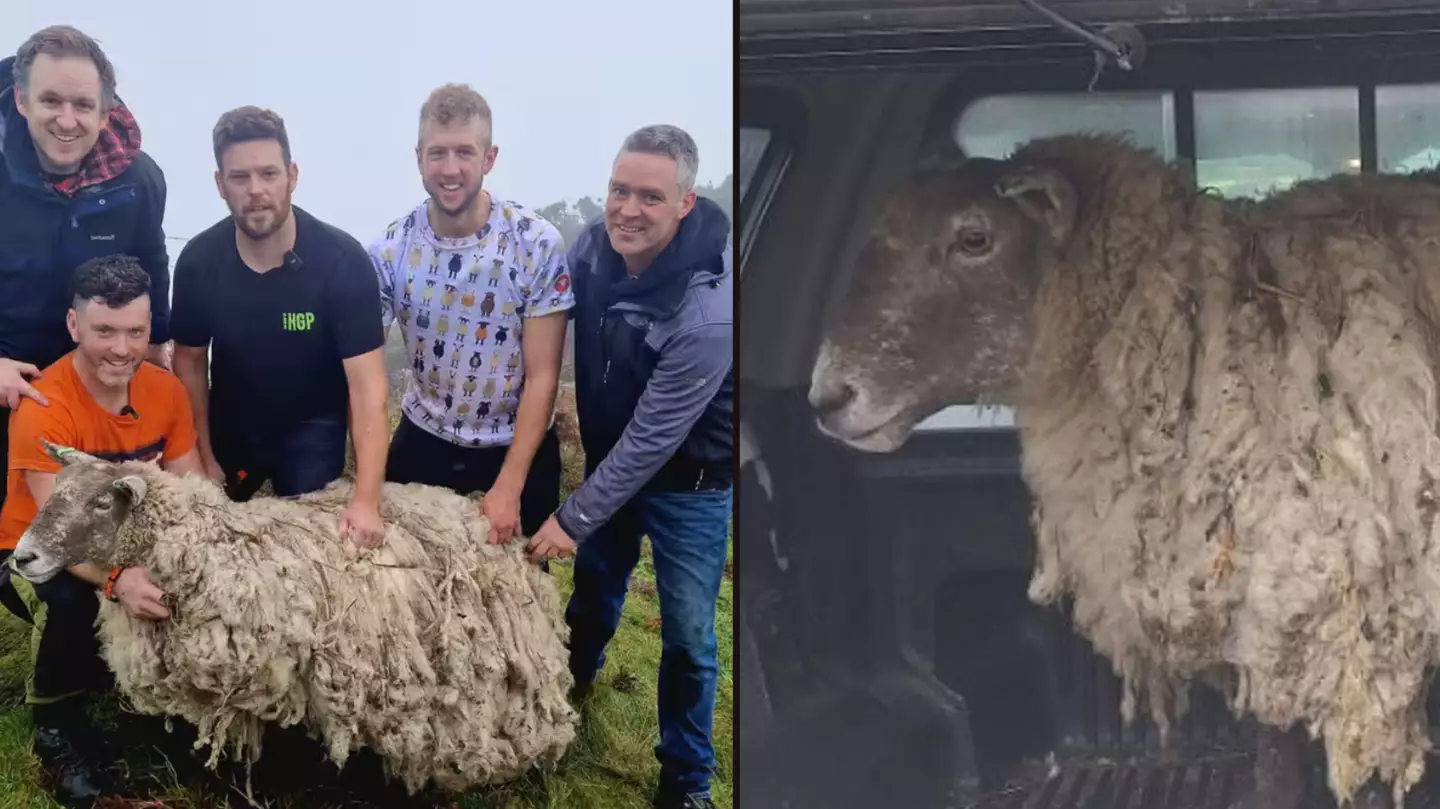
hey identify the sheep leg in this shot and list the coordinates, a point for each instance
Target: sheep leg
(1279, 771)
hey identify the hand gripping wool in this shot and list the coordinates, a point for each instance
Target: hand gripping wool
(443, 653)
(1228, 416)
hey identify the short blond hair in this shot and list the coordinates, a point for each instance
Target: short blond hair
(454, 104)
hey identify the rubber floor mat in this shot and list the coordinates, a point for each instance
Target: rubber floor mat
(1214, 782)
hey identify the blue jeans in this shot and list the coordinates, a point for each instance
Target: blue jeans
(689, 534)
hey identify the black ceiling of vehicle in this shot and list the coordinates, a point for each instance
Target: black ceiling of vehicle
(785, 35)
(790, 17)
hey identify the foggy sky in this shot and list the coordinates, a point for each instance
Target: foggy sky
(566, 82)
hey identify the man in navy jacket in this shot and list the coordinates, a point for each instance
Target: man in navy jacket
(654, 387)
(74, 185)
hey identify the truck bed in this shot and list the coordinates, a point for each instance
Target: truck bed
(1208, 779)
(1214, 780)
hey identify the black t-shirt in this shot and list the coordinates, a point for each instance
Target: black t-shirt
(277, 339)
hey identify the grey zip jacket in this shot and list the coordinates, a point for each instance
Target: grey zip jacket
(654, 373)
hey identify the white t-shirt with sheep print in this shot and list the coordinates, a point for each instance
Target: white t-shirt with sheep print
(460, 304)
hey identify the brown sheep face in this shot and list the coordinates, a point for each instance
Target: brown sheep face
(938, 312)
(79, 522)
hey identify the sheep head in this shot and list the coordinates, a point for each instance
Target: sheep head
(938, 311)
(79, 523)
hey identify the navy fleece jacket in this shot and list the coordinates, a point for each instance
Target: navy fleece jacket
(45, 235)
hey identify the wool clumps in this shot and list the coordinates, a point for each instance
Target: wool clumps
(440, 651)
(1229, 423)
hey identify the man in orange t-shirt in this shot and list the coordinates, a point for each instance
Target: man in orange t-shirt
(103, 399)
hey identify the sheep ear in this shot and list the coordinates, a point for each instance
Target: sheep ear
(132, 487)
(65, 456)
(1044, 195)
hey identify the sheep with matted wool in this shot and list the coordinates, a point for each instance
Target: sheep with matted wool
(1228, 410)
(442, 652)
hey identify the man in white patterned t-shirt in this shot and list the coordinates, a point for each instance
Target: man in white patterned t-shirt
(480, 289)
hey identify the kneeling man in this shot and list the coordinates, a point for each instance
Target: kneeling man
(105, 400)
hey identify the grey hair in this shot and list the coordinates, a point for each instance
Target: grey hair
(64, 41)
(667, 141)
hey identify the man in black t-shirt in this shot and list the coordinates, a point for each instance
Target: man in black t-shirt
(287, 308)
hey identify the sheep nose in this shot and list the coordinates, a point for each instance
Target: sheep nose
(830, 397)
(24, 557)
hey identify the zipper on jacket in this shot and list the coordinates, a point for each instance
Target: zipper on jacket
(604, 377)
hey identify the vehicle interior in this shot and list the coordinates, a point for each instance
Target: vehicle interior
(889, 653)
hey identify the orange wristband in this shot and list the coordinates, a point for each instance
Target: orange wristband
(110, 583)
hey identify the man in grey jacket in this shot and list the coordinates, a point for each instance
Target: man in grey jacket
(655, 394)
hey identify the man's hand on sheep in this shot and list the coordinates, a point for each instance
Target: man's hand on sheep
(361, 524)
(551, 540)
(139, 595)
(214, 472)
(501, 505)
(14, 383)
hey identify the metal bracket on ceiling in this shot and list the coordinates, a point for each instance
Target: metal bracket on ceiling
(1120, 43)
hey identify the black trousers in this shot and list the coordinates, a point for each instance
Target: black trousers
(67, 656)
(297, 459)
(419, 457)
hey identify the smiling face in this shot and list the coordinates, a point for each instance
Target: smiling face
(454, 158)
(938, 312)
(257, 183)
(111, 342)
(645, 205)
(63, 109)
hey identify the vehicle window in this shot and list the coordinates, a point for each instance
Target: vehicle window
(993, 126)
(763, 159)
(1251, 142)
(1407, 127)
(753, 141)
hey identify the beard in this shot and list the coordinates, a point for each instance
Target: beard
(112, 376)
(271, 219)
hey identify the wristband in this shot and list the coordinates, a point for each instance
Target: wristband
(110, 583)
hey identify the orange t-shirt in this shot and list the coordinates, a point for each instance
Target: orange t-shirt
(161, 427)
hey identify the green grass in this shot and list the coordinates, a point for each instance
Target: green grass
(611, 763)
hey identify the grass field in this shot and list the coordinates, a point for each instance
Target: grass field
(610, 765)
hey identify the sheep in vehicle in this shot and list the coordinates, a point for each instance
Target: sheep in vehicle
(440, 651)
(1228, 415)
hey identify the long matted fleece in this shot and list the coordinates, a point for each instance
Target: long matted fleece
(442, 652)
(1229, 425)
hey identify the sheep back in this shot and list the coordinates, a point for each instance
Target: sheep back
(1229, 425)
(442, 652)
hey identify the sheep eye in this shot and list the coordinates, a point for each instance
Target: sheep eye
(974, 242)
(104, 502)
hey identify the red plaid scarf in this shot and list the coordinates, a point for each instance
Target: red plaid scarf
(113, 152)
